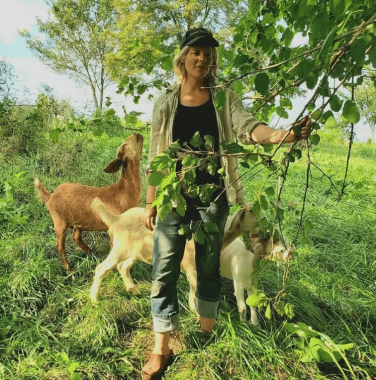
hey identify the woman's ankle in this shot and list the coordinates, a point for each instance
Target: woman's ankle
(162, 351)
(161, 346)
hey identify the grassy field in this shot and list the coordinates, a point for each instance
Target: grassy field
(50, 330)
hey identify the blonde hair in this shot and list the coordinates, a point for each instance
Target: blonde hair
(181, 72)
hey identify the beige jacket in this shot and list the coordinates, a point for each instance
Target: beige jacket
(233, 122)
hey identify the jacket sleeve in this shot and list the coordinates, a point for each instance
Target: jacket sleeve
(156, 125)
(242, 120)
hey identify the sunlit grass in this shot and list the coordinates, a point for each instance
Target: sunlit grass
(49, 326)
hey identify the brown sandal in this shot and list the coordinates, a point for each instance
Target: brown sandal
(156, 366)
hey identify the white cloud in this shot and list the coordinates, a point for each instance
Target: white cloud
(17, 15)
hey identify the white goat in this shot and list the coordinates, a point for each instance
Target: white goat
(70, 204)
(132, 241)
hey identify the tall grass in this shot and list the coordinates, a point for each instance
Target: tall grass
(50, 330)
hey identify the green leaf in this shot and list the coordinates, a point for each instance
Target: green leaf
(211, 227)
(256, 298)
(372, 56)
(282, 112)
(169, 180)
(189, 176)
(244, 164)
(200, 236)
(212, 166)
(181, 206)
(156, 178)
(220, 100)
(264, 202)
(209, 141)
(289, 310)
(350, 112)
(268, 18)
(337, 7)
(189, 160)
(72, 367)
(287, 36)
(311, 80)
(196, 140)
(301, 329)
(164, 209)
(358, 50)
(181, 230)
(286, 103)
(315, 139)
(262, 83)
(167, 62)
(280, 308)
(311, 354)
(20, 174)
(335, 103)
(268, 148)
(256, 209)
(330, 122)
(269, 191)
(268, 312)
(160, 162)
(206, 192)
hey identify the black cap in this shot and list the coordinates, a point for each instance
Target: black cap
(198, 37)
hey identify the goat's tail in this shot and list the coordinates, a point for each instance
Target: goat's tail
(107, 217)
(42, 193)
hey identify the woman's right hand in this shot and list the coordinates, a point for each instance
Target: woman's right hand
(149, 217)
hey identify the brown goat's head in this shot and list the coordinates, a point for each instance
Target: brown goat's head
(130, 149)
(243, 219)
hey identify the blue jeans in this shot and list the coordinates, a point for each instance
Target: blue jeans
(168, 253)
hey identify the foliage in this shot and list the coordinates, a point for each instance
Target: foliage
(23, 125)
(365, 99)
(12, 216)
(149, 33)
(7, 78)
(76, 41)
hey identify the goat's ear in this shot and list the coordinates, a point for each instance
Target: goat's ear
(113, 166)
(234, 221)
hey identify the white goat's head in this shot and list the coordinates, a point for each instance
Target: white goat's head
(278, 250)
(130, 149)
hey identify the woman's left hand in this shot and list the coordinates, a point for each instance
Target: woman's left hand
(305, 129)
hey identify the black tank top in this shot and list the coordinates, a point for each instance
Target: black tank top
(202, 119)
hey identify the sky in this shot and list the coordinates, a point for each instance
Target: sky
(16, 15)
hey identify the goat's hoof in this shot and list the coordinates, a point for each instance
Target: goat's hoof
(93, 299)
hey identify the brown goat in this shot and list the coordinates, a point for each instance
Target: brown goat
(70, 204)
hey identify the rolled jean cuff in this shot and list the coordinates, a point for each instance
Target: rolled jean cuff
(166, 323)
(207, 309)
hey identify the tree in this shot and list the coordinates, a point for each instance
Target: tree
(365, 96)
(149, 32)
(76, 42)
(7, 78)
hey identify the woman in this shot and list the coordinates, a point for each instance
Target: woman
(186, 108)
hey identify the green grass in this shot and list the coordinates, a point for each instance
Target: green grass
(50, 330)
